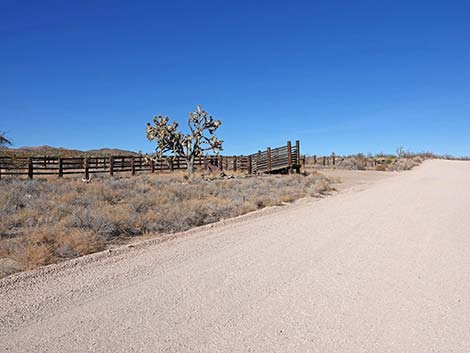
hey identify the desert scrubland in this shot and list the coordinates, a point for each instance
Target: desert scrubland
(44, 221)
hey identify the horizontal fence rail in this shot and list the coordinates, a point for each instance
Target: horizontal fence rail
(286, 158)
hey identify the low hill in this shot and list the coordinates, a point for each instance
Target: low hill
(62, 152)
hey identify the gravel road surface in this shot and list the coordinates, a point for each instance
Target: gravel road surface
(381, 269)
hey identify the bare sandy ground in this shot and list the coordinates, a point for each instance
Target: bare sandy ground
(382, 269)
(355, 179)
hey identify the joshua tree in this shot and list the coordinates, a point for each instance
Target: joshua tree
(401, 153)
(200, 139)
(4, 140)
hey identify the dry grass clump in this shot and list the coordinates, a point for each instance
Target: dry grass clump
(381, 168)
(42, 222)
(322, 187)
(44, 245)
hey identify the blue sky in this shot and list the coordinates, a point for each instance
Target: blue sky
(342, 76)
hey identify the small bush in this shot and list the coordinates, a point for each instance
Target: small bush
(323, 187)
(381, 168)
(44, 245)
(77, 243)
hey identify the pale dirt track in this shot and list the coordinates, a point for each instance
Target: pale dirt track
(385, 269)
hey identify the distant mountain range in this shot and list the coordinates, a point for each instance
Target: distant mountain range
(60, 151)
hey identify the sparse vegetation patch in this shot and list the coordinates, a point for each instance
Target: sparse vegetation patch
(362, 162)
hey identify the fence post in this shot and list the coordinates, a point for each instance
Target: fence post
(268, 153)
(333, 156)
(234, 163)
(61, 168)
(315, 159)
(205, 163)
(171, 163)
(111, 165)
(257, 161)
(297, 151)
(324, 161)
(30, 168)
(221, 163)
(249, 164)
(289, 156)
(132, 165)
(86, 168)
(152, 166)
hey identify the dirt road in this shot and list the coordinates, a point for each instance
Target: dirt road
(385, 269)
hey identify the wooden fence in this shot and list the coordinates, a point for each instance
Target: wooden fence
(285, 158)
(334, 160)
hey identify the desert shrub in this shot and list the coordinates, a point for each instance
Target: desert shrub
(381, 168)
(4, 230)
(93, 219)
(323, 187)
(78, 242)
(35, 255)
(286, 198)
(356, 162)
(405, 163)
(43, 245)
(14, 198)
(34, 248)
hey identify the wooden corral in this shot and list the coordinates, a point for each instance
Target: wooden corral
(272, 160)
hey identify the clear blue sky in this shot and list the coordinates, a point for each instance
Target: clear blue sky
(343, 76)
